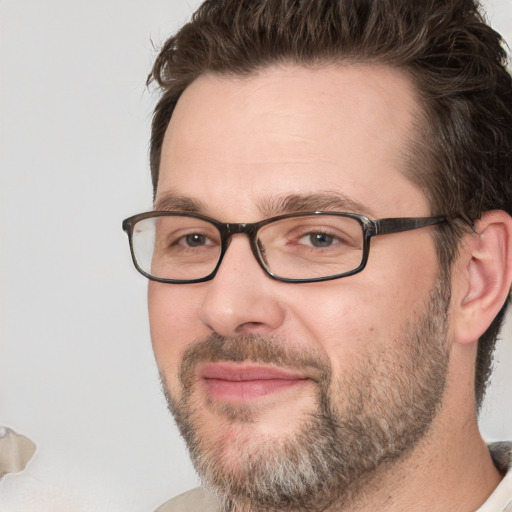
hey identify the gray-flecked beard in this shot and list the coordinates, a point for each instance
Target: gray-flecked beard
(363, 423)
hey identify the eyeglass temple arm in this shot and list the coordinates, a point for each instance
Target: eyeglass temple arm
(384, 226)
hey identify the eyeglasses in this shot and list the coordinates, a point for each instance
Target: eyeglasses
(176, 247)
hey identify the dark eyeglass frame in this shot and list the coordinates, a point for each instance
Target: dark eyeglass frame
(370, 229)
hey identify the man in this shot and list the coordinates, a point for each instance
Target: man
(330, 254)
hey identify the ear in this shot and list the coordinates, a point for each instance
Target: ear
(483, 276)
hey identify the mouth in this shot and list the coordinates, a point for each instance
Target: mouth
(239, 383)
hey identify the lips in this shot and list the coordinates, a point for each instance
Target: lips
(241, 382)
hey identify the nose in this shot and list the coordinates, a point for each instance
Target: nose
(242, 298)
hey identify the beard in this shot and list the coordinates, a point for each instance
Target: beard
(363, 421)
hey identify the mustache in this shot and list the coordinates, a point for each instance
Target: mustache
(269, 350)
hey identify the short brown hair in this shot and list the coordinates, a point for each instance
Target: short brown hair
(455, 60)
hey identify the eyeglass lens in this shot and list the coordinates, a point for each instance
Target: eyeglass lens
(302, 247)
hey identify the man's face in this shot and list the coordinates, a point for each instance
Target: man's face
(267, 379)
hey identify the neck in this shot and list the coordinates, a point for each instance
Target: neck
(456, 474)
(449, 469)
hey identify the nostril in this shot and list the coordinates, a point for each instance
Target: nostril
(249, 327)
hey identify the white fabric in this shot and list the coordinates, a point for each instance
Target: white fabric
(501, 499)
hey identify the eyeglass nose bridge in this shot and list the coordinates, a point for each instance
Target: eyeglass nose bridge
(228, 230)
(241, 228)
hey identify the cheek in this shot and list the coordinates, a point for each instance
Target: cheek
(364, 314)
(341, 319)
(173, 324)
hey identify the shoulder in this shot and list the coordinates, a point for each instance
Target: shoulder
(196, 500)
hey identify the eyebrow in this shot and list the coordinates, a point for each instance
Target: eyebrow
(272, 206)
(323, 201)
(171, 202)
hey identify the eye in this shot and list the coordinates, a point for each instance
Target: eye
(196, 240)
(320, 239)
(193, 240)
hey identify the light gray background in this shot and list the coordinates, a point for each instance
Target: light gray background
(76, 368)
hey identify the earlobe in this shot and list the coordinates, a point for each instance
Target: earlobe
(485, 275)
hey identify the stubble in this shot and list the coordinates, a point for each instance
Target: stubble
(363, 422)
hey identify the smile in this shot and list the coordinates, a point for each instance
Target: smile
(233, 382)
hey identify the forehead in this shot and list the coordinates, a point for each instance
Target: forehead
(292, 130)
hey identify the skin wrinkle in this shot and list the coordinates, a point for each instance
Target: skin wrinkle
(369, 99)
(363, 324)
(340, 447)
